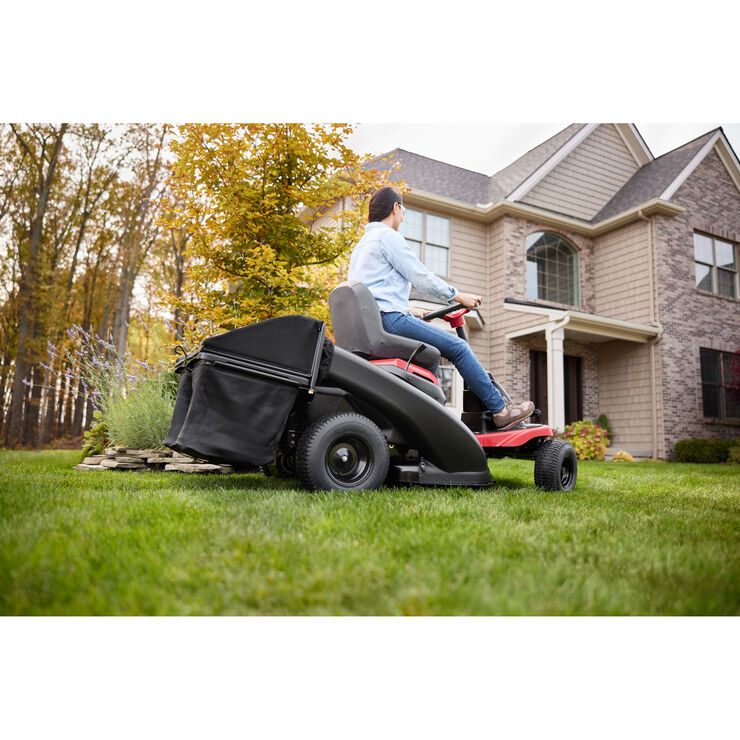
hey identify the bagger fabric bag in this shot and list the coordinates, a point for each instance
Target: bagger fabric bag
(234, 395)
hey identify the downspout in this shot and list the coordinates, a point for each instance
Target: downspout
(651, 284)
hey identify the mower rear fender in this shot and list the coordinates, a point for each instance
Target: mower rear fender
(438, 434)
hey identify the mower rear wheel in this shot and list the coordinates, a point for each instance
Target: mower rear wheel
(556, 466)
(346, 452)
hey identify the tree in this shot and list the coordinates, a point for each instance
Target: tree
(257, 201)
(42, 145)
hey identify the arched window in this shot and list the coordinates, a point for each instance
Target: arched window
(552, 269)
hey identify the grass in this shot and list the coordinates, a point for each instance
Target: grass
(633, 538)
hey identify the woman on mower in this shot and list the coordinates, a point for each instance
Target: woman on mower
(384, 262)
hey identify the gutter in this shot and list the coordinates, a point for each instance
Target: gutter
(486, 213)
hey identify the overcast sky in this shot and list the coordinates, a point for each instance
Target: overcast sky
(488, 147)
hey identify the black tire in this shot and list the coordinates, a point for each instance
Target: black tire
(346, 452)
(556, 466)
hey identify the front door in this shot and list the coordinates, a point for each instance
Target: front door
(572, 375)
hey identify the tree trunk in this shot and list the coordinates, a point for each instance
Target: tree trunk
(27, 299)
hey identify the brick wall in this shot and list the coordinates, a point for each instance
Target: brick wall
(691, 319)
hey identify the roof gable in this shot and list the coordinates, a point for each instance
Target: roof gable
(662, 177)
(583, 175)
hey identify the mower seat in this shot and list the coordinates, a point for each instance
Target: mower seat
(359, 329)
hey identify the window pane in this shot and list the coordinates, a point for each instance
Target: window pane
(436, 259)
(415, 247)
(703, 276)
(446, 374)
(731, 373)
(726, 282)
(438, 230)
(536, 239)
(703, 249)
(710, 400)
(710, 371)
(725, 254)
(411, 225)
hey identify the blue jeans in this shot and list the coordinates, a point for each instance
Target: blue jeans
(453, 348)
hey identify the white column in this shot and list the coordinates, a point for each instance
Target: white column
(555, 384)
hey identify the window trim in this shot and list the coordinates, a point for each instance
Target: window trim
(576, 270)
(423, 243)
(723, 384)
(714, 267)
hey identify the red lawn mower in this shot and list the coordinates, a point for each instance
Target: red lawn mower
(359, 414)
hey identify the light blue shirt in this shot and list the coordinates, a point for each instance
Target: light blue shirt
(384, 262)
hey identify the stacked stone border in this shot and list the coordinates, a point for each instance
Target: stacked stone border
(126, 458)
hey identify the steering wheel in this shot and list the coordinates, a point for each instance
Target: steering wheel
(453, 315)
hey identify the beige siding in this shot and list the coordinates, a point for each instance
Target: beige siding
(468, 261)
(622, 274)
(625, 395)
(588, 177)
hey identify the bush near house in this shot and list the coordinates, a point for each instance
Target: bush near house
(588, 439)
(707, 450)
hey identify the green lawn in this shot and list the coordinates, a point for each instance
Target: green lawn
(633, 538)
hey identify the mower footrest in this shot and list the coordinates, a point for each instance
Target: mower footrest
(424, 473)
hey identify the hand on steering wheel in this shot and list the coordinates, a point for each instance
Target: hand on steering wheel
(469, 300)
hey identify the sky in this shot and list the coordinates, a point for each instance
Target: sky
(489, 147)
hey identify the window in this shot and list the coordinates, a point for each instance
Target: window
(720, 384)
(429, 237)
(552, 269)
(715, 265)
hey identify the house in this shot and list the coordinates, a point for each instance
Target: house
(609, 278)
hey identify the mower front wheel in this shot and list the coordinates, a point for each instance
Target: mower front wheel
(556, 466)
(346, 452)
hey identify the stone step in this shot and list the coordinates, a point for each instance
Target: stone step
(119, 465)
(198, 468)
(148, 453)
(84, 466)
(95, 459)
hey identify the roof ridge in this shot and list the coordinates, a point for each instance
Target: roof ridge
(685, 144)
(537, 146)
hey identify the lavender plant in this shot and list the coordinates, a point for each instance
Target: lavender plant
(133, 399)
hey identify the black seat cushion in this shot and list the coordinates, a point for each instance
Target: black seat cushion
(358, 328)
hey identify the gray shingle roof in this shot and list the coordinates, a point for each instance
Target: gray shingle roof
(652, 178)
(458, 183)
(511, 177)
(432, 176)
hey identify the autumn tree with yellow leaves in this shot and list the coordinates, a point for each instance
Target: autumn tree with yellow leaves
(272, 211)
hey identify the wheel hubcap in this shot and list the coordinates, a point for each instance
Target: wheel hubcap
(348, 460)
(566, 473)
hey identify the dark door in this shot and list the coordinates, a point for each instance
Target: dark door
(572, 378)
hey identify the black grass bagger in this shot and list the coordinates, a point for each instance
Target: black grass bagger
(352, 416)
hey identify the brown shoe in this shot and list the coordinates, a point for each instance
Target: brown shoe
(512, 414)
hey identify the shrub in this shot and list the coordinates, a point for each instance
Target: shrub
(133, 399)
(142, 417)
(588, 439)
(96, 437)
(704, 450)
(603, 422)
(734, 456)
